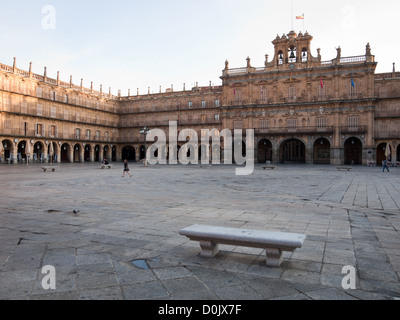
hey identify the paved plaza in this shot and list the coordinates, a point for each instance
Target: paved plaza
(124, 242)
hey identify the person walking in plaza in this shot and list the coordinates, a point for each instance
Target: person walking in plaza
(385, 165)
(126, 169)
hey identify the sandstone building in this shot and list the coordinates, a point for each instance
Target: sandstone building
(303, 110)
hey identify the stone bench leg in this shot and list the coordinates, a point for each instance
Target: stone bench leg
(209, 249)
(274, 257)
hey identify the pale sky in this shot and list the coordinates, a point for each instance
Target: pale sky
(139, 44)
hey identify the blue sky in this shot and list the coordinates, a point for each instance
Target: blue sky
(139, 44)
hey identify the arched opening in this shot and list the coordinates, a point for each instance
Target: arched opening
(304, 55)
(86, 156)
(106, 150)
(142, 155)
(8, 149)
(64, 152)
(21, 153)
(293, 151)
(398, 153)
(353, 152)
(114, 154)
(77, 153)
(264, 151)
(322, 151)
(381, 153)
(97, 149)
(128, 153)
(38, 152)
(292, 54)
(280, 57)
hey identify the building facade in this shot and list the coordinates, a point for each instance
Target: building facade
(302, 110)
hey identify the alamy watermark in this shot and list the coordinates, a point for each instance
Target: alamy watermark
(49, 17)
(49, 280)
(349, 281)
(189, 153)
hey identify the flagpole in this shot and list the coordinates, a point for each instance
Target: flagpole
(292, 17)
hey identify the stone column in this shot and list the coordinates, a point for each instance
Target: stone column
(82, 154)
(71, 154)
(101, 153)
(92, 150)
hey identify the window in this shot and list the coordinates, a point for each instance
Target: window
(238, 96)
(53, 112)
(98, 135)
(216, 117)
(107, 136)
(353, 90)
(263, 95)
(54, 96)
(292, 94)
(88, 134)
(78, 133)
(321, 92)
(53, 131)
(264, 124)
(321, 123)
(39, 110)
(216, 103)
(238, 125)
(190, 104)
(203, 118)
(353, 123)
(292, 123)
(203, 104)
(39, 130)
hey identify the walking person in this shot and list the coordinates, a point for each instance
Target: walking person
(126, 169)
(385, 165)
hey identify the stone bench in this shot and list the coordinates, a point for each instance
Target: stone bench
(106, 166)
(343, 168)
(49, 168)
(268, 167)
(273, 242)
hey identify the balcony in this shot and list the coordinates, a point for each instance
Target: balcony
(295, 131)
(353, 129)
(393, 134)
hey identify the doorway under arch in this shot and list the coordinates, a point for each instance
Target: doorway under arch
(38, 152)
(353, 151)
(322, 151)
(293, 151)
(129, 153)
(64, 152)
(86, 155)
(77, 153)
(381, 153)
(264, 151)
(8, 149)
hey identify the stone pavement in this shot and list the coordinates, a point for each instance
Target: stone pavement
(124, 242)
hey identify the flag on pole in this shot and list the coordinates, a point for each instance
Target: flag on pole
(352, 81)
(300, 17)
(234, 90)
(322, 84)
